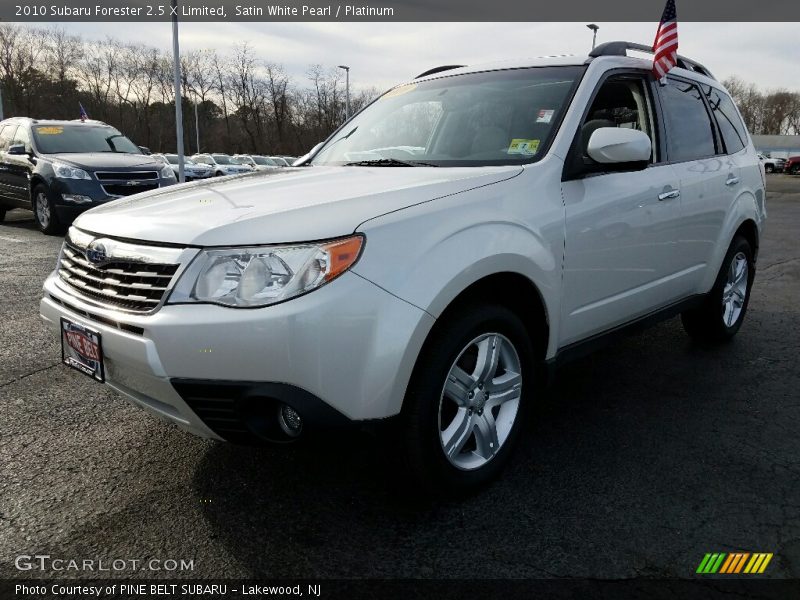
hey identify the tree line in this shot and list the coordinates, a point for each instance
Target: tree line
(771, 112)
(243, 103)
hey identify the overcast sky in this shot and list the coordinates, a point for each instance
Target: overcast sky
(383, 54)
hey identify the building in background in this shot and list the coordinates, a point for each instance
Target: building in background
(777, 146)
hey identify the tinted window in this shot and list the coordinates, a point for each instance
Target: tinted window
(55, 139)
(6, 135)
(689, 132)
(733, 130)
(223, 159)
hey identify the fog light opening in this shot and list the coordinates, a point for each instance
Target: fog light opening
(289, 420)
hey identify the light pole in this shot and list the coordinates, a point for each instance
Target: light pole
(594, 29)
(176, 57)
(347, 91)
(196, 124)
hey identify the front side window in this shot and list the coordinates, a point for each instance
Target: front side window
(67, 138)
(22, 136)
(690, 135)
(620, 102)
(6, 135)
(491, 118)
(734, 133)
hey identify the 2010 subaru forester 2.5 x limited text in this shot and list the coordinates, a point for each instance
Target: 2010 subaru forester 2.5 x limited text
(428, 262)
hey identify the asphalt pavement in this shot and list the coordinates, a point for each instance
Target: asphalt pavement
(641, 459)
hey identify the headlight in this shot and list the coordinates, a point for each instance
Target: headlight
(64, 171)
(167, 172)
(262, 275)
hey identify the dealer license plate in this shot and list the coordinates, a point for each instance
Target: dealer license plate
(82, 349)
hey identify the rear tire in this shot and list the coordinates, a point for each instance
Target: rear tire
(769, 168)
(467, 399)
(44, 212)
(723, 310)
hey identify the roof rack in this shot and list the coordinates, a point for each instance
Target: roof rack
(621, 48)
(435, 70)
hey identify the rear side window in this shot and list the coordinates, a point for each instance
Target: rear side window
(731, 127)
(690, 135)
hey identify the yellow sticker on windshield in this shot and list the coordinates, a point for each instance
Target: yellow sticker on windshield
(400, 90)
(49, 130)
(522, 146)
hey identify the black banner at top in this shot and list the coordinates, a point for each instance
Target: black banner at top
(64, 11)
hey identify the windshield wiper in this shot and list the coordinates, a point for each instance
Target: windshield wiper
(389, 162)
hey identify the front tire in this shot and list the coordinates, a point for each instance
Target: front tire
(769, 168)
(44, 212)
(723, 310)
(467, 398)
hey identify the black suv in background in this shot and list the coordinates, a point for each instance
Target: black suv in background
(60, 169)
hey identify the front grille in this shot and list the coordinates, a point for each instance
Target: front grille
(125, 175)
(131, 284)
(124, 189)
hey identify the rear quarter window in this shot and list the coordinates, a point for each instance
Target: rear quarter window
(734, 133)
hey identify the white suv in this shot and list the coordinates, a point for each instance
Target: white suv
(429, 262)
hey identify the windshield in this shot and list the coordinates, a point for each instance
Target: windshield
(57, 139)
(223, 159)
(261, 160)
(243, 160)
(491, 118)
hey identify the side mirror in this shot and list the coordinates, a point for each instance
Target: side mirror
(17, 149)
(610, 145)
(144, 149)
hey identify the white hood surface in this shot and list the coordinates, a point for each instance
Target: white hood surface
(282, 205)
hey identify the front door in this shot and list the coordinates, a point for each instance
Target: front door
(621, 227)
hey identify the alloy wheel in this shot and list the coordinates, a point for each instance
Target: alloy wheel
(42, 210)
(735, 290)
(480, 401)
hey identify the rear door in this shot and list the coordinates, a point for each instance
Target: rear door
(708, 175)
(621, 225)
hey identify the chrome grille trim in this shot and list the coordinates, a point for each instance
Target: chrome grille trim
(130, 277)
(126, 175)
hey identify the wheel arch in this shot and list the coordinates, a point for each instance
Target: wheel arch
(749, 231)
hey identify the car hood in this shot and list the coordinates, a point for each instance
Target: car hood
(283, 205)
(105, 160)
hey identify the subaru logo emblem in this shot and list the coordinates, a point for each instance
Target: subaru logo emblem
(96, 253)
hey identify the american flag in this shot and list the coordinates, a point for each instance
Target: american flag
(665, 47)
(84, 116)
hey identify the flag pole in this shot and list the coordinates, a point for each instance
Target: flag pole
(176, 59)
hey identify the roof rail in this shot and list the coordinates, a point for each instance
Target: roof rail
(435, 70)
(621, 48)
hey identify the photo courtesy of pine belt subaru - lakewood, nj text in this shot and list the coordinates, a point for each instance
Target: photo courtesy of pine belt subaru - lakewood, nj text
(428, 262)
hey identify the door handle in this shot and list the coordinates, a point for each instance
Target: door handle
(669, 195)
(732, 180)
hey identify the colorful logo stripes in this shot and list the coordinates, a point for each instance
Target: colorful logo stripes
(734, 563)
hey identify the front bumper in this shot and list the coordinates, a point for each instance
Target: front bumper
(350, 344)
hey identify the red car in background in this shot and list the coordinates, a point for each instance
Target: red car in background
(792, 165)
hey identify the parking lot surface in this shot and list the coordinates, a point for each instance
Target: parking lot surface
(639, 460)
